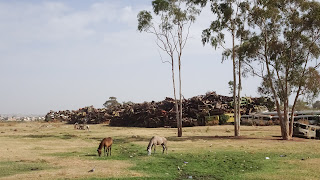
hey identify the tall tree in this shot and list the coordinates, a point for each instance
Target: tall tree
(172, 31)
(285, 40)
(231, 16)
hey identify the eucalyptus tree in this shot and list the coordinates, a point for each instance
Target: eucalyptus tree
(231, 17)
(171, 29)
(285, 40)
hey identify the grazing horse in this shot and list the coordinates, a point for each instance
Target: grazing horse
(157, 140)
(106, 142)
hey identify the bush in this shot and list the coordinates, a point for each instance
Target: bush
(223, 119)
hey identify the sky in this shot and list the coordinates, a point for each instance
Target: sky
(59, 55)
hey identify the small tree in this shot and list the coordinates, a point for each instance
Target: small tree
(112, 102)
(171, 32)
(223, 119)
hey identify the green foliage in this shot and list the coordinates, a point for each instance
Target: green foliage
(312, 83)
(267, 102)
(223, 119)
(301, 105)
(231, 16)
(160, 6)
(230, 84)
(172, 13)
(112, 102)
(144, 19)
(287, 57)
(286, 41)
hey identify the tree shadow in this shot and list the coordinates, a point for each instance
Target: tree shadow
(91, 155)
(196, 138)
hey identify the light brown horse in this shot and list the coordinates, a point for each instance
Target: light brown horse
(105, 143)
(157, 140)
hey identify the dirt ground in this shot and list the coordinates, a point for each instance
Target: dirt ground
(36, 142)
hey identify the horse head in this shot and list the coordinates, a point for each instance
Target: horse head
(149, 151)
(99, 152)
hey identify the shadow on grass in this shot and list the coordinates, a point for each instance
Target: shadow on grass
(63, 136)
(9, 168)
(196, 138)
(91, 155)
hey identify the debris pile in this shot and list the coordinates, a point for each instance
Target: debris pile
(84, 115)
(160, 114)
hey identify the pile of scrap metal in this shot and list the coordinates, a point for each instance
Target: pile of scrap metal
(152, 114)
(159, 114)
(84, 115)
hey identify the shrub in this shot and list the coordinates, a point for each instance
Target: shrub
(223, 119)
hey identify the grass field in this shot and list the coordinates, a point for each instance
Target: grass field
(58, 151)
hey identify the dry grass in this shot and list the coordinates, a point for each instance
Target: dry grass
(37, 142)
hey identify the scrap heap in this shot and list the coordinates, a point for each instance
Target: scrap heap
(84, 115)
(160, 114)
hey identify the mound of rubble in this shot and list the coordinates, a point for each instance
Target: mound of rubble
(160, 114)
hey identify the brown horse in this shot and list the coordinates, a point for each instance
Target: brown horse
(106, 142)
(157, 140)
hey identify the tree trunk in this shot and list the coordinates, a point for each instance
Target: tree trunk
(239, 96)
(180, 42)
(175, 97)
(285, 124)
(235, 103)
(180, 117)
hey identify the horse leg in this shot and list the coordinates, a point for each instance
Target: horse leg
(110, 150)
(104, 150)
(163, 147)
(107, 151)
(154, 146)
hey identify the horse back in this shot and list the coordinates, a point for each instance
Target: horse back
(160, 140)
(164, 140)
(107, 141)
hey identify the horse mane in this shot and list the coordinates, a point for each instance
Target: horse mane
(101, 144)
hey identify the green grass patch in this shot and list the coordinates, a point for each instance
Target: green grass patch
(8, 168)
(219, 164)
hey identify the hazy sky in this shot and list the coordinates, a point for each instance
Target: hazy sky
(58, 55)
